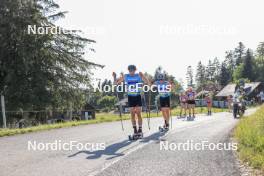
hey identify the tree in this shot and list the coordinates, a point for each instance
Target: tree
(217, 68)
(238, 72)
(107, 102)
(189, 76)
(247, 71)
(200, 75)
(239, 53)
(210, 71)
(224, 76)
(260, 50)
(108, 83)
(40, 71)
(230, 63)
(259, 63)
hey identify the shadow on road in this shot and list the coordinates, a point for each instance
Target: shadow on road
(112, 150)
(154, 137)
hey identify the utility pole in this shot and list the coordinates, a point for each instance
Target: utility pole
(3, 110)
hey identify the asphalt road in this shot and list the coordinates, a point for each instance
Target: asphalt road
(122, 157)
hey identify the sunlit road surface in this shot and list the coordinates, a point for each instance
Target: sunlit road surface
(122, 157)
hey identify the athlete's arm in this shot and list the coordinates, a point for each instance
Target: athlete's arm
(172, 85)
(118, 80)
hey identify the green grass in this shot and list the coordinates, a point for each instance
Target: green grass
(250, 136)
(100, 118)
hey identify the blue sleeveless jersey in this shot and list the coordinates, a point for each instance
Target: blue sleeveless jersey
(132, 82)
(163, 89)
(191, 95)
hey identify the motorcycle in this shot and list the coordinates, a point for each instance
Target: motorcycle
(239, 109)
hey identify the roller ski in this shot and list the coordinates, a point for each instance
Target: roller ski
(181, 117)
(137, 135)
(163, 129)
(190, 118)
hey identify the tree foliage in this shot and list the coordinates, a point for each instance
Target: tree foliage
(40, 71)
(237, 65)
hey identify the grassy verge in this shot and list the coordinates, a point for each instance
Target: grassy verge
(100, 117)
(250, 136)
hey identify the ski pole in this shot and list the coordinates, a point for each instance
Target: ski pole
(149, 101)
(170, 112)
(146, 109)
(120, 105)
(120, 113)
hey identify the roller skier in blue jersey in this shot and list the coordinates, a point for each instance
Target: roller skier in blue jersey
(164, 90)
(134, 82)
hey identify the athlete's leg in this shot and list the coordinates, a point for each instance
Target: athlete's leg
(133, 119)
(185, 109)
(189, 109)
(193, 110)
(140, 121)
(181, 107)
(167, 116)
(164, 115)
(210, 108)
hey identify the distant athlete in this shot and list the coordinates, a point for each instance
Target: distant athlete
(191, 101)
(209, 103)
(229, 102)
(134, 82)
(164, 90)
(183, 103)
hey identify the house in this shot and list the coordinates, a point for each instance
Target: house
(252, 90)
(88, 112)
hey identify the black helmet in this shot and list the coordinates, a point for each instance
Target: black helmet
(131, 67)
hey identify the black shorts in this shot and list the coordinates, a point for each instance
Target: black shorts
(134, 101)
(192, 102)
(164, 102)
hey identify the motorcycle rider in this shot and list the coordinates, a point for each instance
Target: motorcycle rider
(238, 102)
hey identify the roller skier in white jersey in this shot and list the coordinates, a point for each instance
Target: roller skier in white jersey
(133, 82)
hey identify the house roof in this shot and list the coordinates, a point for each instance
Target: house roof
(230, 89)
